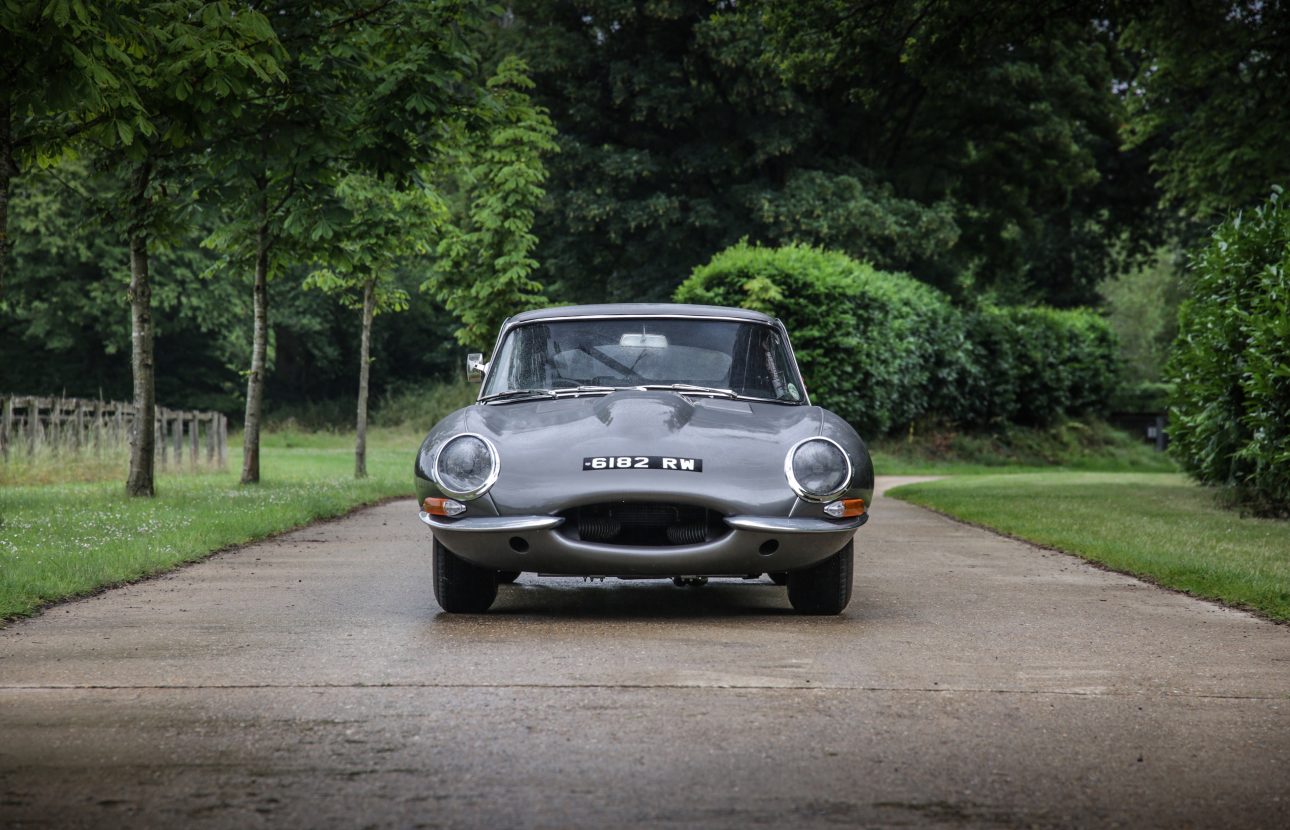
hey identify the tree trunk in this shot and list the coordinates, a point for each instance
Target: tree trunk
(8, 170)
(364, 371)
(143, 431)
(259, 347)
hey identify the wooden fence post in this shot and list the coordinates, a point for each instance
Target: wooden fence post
(79, 417)
(33, 426)
(210, 419)
(221, 439)
(192, 439)
(177, 436)
(53, 434)
(97, 429)
(6, 426)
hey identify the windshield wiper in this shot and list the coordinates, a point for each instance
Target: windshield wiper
(575, 390)
(690, 387)
(517, 393)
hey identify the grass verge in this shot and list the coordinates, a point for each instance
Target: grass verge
(1161, 527)
(70, 539)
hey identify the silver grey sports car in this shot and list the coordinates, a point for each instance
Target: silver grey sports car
(643, 441)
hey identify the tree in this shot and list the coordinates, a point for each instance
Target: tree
(1006, 111)
(369, 87)
(974, 146)
(1207, 100)
(485, 256)
(193, 59)
(387, 228)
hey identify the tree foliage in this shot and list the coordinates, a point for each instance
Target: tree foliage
(485, 254)
(977, 149)
(1207, 99)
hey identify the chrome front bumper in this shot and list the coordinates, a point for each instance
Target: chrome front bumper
(755, 544)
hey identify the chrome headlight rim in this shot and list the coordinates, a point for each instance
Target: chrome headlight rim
(489, 480)
(797, 488)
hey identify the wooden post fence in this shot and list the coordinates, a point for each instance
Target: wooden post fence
(75, 426)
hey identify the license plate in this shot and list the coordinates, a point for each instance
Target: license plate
(642, 462)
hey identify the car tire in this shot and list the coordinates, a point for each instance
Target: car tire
(507, 577)
(460, 587)
(824, 588)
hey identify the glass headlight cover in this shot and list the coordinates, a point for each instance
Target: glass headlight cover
(817, 469)
(466, 466)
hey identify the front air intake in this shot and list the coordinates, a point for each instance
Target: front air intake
(643, 524)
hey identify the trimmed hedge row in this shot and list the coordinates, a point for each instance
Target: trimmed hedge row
(1230, 367)
(884, 350)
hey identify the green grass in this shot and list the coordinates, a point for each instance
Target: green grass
(1073, 445)
(1160, 527)
(68, 539)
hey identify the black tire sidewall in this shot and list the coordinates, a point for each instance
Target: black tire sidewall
(824, 588)
(460, 587)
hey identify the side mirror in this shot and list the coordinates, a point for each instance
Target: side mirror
(475, 367)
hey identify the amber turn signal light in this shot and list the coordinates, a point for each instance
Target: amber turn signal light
(443, 507)
(845, 509)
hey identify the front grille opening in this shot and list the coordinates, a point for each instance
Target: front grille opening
(643, 524)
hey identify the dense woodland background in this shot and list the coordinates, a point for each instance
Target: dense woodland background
(1008, 154)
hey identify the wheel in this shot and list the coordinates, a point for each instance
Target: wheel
(779, 578)
(507, 577)
(460, 587)
(824, 588)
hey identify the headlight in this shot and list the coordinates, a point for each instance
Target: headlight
(466, 466)
(817, 469)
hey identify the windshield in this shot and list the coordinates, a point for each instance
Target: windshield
(722, 356)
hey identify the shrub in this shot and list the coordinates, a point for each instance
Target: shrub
(1230, 368)
(884, 350)
(877, 348)
(1035, 365)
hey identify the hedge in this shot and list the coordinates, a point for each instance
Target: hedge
(884, 350)
(1230, 368)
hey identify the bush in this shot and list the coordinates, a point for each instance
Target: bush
(1033, 366)
(1230, 409)
(876, 348)
(884, 350)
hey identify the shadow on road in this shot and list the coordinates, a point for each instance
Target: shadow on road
(645, 599)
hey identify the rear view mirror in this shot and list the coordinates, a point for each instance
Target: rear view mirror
(643, 341)
(475, 367)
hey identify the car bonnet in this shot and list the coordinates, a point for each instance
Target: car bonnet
(548, 450)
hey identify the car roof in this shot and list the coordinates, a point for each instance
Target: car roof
(640, 310)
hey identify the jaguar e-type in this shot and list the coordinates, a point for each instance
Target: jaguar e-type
(643, 441)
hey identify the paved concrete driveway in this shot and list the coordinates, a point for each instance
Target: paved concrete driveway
(974, 681)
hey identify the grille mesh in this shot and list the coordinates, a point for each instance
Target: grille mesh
(643, 524)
